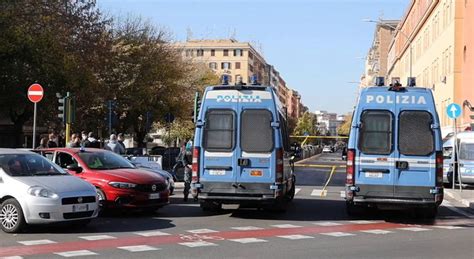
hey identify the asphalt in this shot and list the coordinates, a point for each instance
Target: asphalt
(314, 226)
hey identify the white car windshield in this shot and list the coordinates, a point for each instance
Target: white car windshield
(18, 165)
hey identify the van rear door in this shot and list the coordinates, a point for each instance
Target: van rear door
(416, 163)
(257, 142)
(374, 166)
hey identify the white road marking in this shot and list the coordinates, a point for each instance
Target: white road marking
(377, 231)
(201, 231)
(448, 227)
(327, 224)
(141, 248)
(247, 228)
(343, 194)
(414, 229)
(297, 190)
(76, 253)
(450, 206)
(197, 244)
(296, 237)
(151, 233)
(338, 234)
(98, 237)
(285, 226)
(12, 257)
(36, 242)
(316, 192)
(248, 240)
(363, 221)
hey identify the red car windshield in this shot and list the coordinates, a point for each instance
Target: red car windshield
(104, 160)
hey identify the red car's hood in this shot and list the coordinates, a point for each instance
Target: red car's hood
(131, 175)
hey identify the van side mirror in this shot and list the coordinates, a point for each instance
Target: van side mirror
(75, 168)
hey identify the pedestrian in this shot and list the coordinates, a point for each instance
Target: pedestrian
(182, 161)
(114, 146)
(43, 143)
(120, 140)
(91, 141)
(75, 141)
(52, 140)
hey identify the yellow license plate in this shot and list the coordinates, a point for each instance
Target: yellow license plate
(256, 173)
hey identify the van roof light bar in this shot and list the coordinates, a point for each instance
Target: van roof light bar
(380, 81)
(411, 82)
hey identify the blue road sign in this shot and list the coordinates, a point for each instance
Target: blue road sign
(453, 110)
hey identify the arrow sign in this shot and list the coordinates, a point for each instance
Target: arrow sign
(453, 110)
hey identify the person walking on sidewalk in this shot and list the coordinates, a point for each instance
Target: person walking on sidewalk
(183, 161)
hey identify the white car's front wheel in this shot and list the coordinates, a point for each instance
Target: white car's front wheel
(11, 216)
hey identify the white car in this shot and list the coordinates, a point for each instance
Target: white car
(34, 190)
(327, 149)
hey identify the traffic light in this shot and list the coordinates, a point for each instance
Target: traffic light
(197, 107)
(66, 108)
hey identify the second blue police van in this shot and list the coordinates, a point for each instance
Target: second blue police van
(394, 157)
(242, 153)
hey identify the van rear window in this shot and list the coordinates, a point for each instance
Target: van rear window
(256, 131)
(219, 132)
(376, 132)
(415, 136)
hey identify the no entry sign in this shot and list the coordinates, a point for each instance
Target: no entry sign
(35, 93)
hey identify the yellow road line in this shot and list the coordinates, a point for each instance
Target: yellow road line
(324, 192)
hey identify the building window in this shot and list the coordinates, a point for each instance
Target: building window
(238, 53)
(200, 52)
(213, 52)
(226, 52)
(250, 55)
(213, 65)
(237, 65)
(251, 68)
(226, 65)
(189, 53)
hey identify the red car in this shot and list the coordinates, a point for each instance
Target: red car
(119, 184)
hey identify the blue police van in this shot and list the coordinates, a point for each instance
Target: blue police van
(241, 149)
(395, 157)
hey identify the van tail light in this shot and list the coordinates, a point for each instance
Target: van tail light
(195, 167)
(279, 165)
(439, 169)
(350, 167)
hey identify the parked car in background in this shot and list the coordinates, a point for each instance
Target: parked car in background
(327, 149)
(119, 183)
(147, 163)
(33, 190)
(169, 155)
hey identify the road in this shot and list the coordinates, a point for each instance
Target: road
(315, 226)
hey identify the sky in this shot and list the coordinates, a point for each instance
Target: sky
(318, 46)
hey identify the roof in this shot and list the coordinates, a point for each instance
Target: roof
(74, 150)
(379, 89)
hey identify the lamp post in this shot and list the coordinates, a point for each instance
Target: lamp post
(401, 32)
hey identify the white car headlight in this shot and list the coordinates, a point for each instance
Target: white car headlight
(122, 185)
(39, 191)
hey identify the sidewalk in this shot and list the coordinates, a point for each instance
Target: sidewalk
(466, 196)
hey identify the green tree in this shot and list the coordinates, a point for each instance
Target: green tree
(306, 125)
(345, 127)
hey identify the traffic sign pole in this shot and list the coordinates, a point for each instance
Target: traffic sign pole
(454, 111)
(34, 128)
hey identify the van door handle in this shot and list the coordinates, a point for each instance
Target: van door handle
(243, 162)
(403, 165)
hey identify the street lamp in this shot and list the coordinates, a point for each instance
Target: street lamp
(401, 32)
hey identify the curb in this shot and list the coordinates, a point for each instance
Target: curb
(467, 203)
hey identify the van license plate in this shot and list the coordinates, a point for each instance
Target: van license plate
(217, 172)
(154, 196)
(80, 207)
(373, 175)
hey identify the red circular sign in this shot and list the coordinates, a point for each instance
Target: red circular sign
(35, 93)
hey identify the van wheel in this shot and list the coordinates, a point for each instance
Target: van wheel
(291, 193)
(428, 213)
(210, 206)
(12, 219)
(353, 210)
